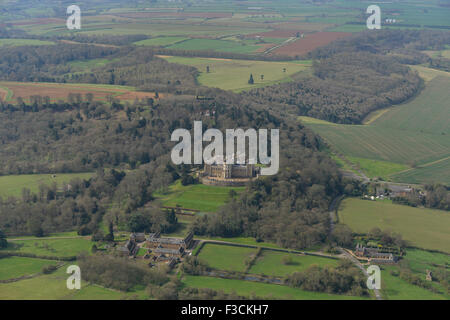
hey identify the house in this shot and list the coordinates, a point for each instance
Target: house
(374, 254)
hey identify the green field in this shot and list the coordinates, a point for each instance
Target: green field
(160, 41)
(13, 185)
(222, 257)
(63, 247)
(413, 134)
(423, 228)
(394, 288)
(53, 287)
(229, 74)
(271, 263)
(248, 289)
(87, 65)
(420, 260)
(14, 267)
(198, 196)
(24, 42)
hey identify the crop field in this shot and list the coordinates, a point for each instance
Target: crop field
(265, 290)
(429, 173)
(229, 74)
(309, 43)
(420, 227)
(271, 263)
(10, 91)
(63, 247)
(198, 197)
(222, 257)
(14, 184)
(415, 133)
(15, 267)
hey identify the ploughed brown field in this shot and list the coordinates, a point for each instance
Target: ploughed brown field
(207, 15)
(10, 91)
(277, 34)
(309, 43)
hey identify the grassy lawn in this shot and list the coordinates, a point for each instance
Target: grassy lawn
(224, 257)
(51, 247)
(198, 197)
(14, 267)
(248, 288)
(271, 263)
(424, 228)
(229, 74)
(244, 240)
(13, 185)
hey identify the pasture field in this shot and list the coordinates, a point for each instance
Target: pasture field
(14, 184)
(222, 257)
(229, 74)
(264, 290)
(421, 227)
(414, 134)
(63, 247)
(24, 42)
(271, 263)
(53, 287)
(15, 267)
(198, 196)
(10, 91)
(394, 288)
(420, 260)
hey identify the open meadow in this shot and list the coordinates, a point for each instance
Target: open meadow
(14, 184)
(234, 74)
(15, 267)
(420, 227)
(197, 196)
(53, 287)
